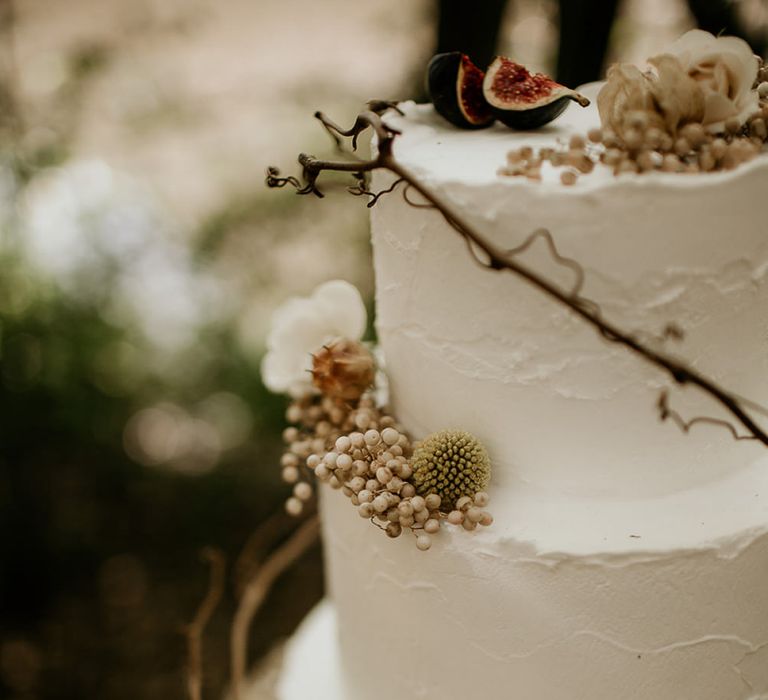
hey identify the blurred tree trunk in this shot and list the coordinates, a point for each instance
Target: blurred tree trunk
(585, 27)
(472, 28)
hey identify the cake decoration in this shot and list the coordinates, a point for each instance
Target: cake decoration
(700, 106)
(451, 463)
(455, 86)
(301, 327)
(470, 98)
(524, 100)
(344, 437)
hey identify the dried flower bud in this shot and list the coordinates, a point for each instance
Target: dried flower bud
(452, 464)
(343, 369)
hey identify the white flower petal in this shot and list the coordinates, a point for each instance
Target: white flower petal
(301, 326)
(341, 304)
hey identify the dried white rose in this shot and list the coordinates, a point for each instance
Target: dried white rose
(626, 90)
(301, 326)
(725, 68)
(665, 96)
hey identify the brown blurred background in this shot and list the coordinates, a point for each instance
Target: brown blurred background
(140, 258)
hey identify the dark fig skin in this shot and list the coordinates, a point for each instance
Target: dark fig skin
(527, 119)
(454, 85)
(522, 100)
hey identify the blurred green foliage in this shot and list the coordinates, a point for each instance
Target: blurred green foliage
(99, 562)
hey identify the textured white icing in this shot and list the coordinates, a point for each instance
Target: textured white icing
(627, 560)
(482, 612)
(559, 408)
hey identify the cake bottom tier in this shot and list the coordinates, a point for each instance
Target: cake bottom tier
(492, 614)
(311, 667)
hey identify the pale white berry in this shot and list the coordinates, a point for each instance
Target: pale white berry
(407, 520)
(293, 414)
(330, 459)
(322, 472)
(481, 499)
(365, 510)
(455, 517)
(421, 516)
(487, 519)
(372, 437)
(290, 435)
(393, 529)
(418, 503)
(432, 501)
(362, 420)
(343, 444)
(406, 472)
(390, 436)
(380, 503)
(357, 439)
(395, 484)
(365, 496)
(383, 474)
(431, 526)
(302, 491)
(290, 475)
(289, 460)
(423, 542)
(408, 490)
(405, 508)
(463, 503)
(334, 482)
(372, 485)
(293, 506)
(357, 484)
(344, 461)
(474, 514)
(468, 524)
(313, 460)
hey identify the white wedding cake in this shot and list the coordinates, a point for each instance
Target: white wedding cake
(628, 559)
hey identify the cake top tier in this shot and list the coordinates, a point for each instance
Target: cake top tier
(440, 153)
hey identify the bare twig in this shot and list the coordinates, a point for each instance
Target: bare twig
(195, 629)
(361, 189)
(498, 260)
(268, 532)
(667, 413)
(256, 591)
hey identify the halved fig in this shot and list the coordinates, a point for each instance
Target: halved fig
(525, 100)
(455, 86)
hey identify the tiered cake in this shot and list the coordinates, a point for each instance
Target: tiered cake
(628, 560)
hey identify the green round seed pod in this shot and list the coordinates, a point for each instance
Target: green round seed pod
(452, 464)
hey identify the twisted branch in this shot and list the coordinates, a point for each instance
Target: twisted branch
(496, 259)
(256, 591)
(194, 630)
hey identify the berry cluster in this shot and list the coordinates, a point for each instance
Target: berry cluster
(365, 454)
(645, 147)
(319, 422)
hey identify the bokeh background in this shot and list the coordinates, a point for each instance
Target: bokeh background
(140, 259)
